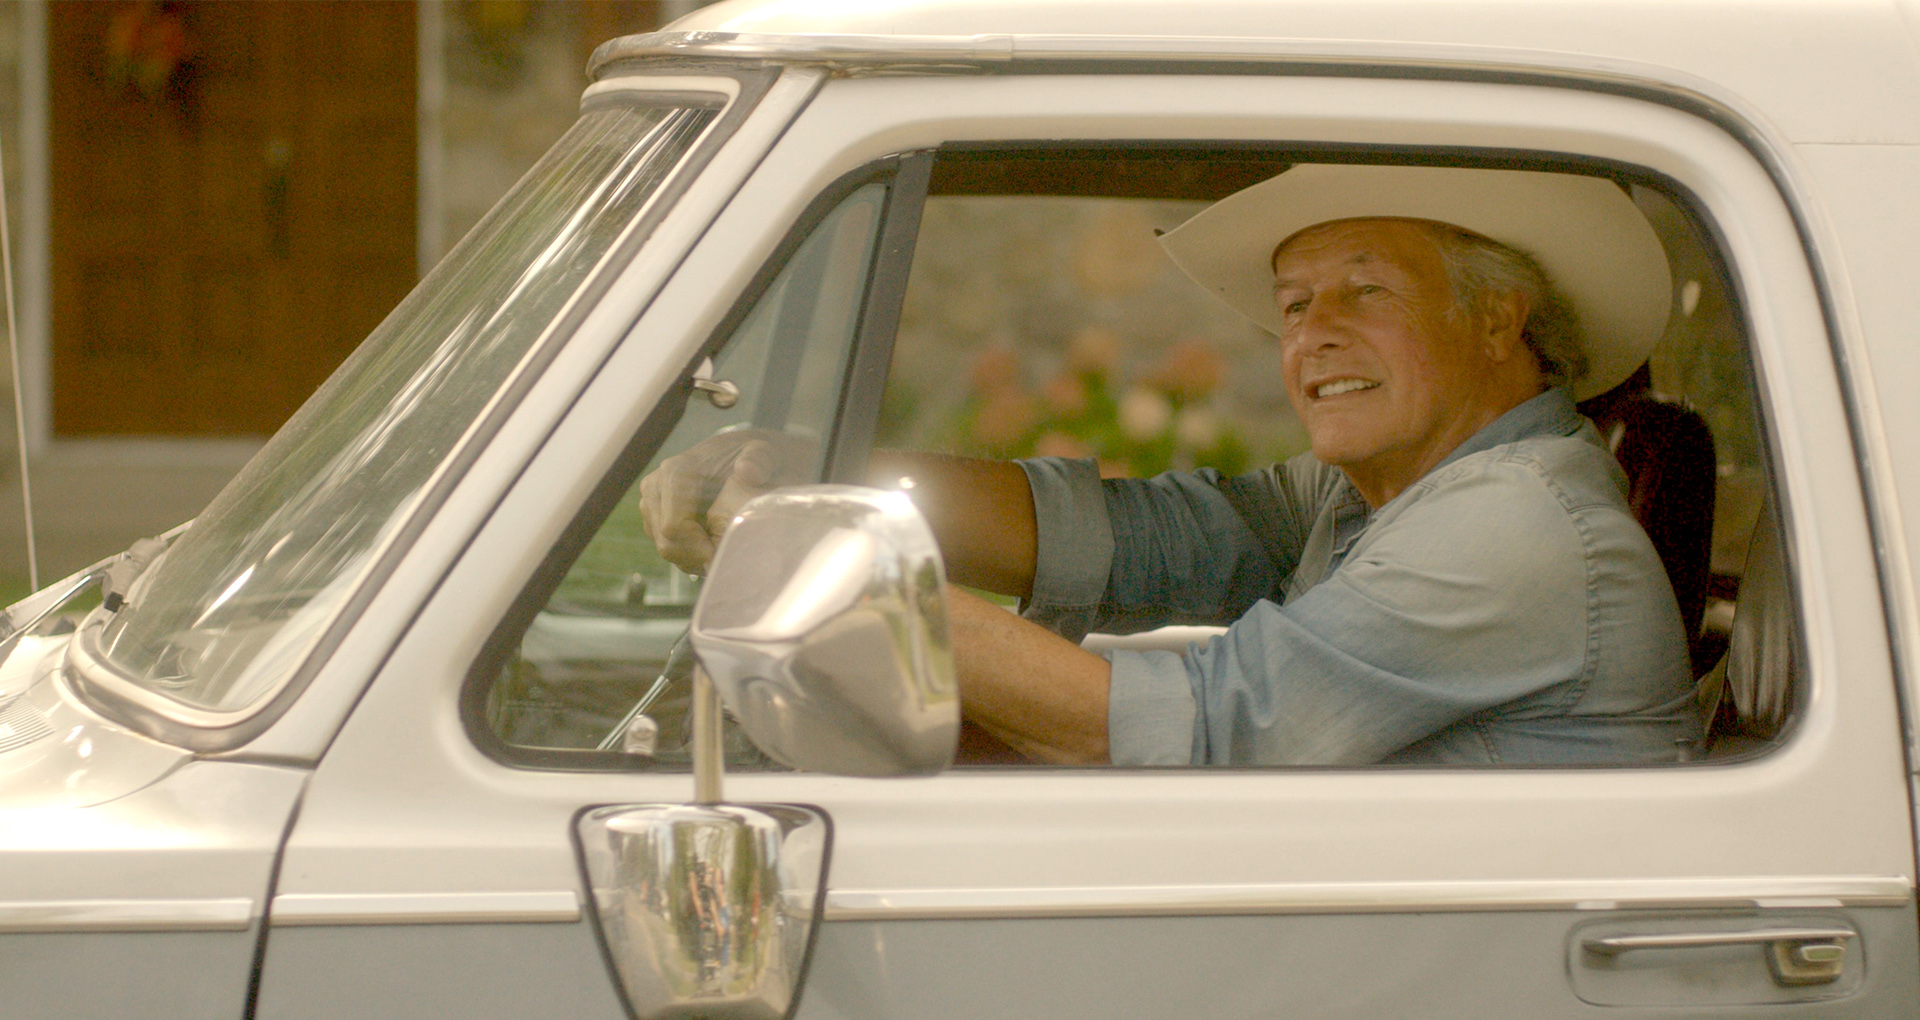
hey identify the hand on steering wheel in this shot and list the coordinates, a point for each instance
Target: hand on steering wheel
(688, 501)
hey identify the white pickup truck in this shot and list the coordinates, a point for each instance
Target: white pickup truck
(379, 733)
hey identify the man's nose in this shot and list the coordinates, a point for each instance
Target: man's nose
(1323, 324)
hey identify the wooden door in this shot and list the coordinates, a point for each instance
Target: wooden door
(233, 205)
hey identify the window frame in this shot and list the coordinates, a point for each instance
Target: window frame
(905, 177)
(908, 176)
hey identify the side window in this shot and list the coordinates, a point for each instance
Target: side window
(571, 676)
(1042, 319)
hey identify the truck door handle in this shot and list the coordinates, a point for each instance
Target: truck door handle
(1795, 956)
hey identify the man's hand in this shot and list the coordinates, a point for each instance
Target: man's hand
(690, 498)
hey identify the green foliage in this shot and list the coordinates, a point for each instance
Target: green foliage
(1162, 420)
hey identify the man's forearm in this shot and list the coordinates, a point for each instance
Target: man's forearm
(981, 512)
(1032, 688)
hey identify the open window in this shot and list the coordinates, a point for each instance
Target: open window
(1042, 319)
(1036, 316)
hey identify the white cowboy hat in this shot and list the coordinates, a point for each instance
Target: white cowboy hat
(1596, 247)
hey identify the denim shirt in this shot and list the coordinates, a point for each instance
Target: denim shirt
(1505, 608)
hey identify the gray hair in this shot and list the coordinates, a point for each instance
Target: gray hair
(1478, 268)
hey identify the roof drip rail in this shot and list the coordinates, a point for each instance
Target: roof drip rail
(832, 50)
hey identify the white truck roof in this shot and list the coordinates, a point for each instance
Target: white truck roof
(1834, 71)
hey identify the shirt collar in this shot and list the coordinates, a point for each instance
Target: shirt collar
(1550, 414)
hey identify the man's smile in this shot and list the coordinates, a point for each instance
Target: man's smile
(1335, 387)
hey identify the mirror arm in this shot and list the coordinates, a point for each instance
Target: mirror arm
(709, 753)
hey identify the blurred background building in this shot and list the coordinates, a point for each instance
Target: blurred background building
(211, 202)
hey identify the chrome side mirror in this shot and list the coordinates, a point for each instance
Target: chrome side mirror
(706, 910)
(823, 625)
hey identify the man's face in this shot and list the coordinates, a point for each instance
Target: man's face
(1384, 371)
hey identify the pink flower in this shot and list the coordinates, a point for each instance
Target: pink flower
(1059, 444)
(1144, 413)
(1005, 415)
(1189, 370)
(1065, 395)
(1197, 428)
(996, 368)
(1093, 349)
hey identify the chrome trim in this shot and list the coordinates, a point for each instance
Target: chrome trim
(539, 907)
(721, 393)
(878, 52)
(997, 52)
(809, 48)
(671, 84)
(1368, 897)
(88, 667)
(1614, 945)
(35, 609)
(126, 915)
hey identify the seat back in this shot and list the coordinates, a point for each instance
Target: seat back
(1667, 452)
(1747, 698)
(1761, 666)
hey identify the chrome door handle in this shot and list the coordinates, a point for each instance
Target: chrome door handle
(1795, 955)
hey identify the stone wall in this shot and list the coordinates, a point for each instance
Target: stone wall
(511, 73)
(511, 82)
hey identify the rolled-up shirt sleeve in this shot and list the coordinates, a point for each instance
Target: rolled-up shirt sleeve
(1126, 555)
(1183, 554)
(1152, 715)
(1075, 545)
(1122, 555)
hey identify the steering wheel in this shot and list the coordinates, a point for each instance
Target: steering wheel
(677, 674)
(678, 669)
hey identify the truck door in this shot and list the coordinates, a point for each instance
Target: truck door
(436, 840)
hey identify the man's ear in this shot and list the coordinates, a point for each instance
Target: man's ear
(1503, 320)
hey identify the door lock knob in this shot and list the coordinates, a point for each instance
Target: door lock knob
(1806, 963)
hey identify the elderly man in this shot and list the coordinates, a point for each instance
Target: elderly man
(1450, 577)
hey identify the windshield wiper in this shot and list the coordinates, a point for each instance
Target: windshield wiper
(114, 575)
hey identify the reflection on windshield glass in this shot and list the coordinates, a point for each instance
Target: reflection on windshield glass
(232, 608)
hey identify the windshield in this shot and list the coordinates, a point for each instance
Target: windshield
(226, 616)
